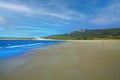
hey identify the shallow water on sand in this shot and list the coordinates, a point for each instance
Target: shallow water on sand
(11, 48)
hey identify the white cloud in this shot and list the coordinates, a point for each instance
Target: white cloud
(108, 15)
(3, 21)
(58, 15)
(16, 7)
(45, 11)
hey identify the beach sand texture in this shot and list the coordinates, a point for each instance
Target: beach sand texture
(70, 60)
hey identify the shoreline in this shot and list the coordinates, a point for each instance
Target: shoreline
(13, 49)
(70, 60)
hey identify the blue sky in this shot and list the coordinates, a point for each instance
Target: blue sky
(38, 18)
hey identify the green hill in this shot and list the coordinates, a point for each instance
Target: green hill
(113, 33)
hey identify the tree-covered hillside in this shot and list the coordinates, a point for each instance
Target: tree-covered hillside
(113, 33)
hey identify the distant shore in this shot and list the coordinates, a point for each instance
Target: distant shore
(70, 60)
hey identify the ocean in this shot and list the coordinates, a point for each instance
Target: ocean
(12, 48)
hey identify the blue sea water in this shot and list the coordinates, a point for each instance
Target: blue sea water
(11, 48)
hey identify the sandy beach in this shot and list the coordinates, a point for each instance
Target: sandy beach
(70, 60)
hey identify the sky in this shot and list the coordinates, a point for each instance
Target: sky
(39, 18)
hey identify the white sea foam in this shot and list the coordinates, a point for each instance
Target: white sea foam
(22, 45)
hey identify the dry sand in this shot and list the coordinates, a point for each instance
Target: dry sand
(71, 60)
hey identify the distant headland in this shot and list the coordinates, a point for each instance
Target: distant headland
(84, 34)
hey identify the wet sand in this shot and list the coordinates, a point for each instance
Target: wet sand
(70, 60)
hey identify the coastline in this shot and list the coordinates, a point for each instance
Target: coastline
(15, 48)
(70, 60)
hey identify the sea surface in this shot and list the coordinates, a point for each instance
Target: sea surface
(12, 48)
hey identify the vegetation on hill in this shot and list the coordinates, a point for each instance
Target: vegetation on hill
(113, 33)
